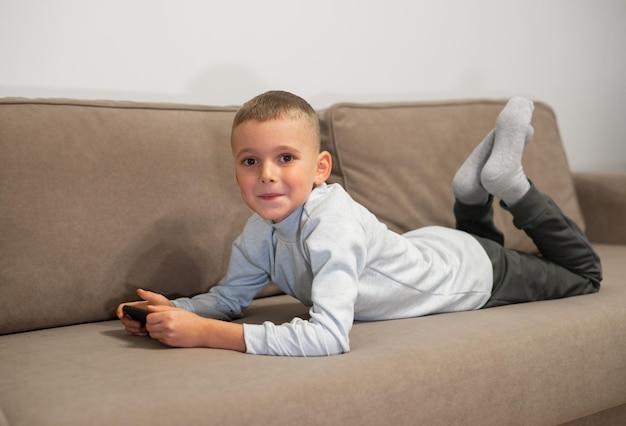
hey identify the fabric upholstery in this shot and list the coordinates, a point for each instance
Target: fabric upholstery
(603, 199)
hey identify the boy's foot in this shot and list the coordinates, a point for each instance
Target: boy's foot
(466, 182)
(503, 175)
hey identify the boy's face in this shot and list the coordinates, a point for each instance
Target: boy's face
(277, 165)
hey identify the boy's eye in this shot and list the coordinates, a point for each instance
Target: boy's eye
(286, 158)
(249, 162)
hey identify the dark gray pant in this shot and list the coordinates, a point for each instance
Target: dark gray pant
(567, 266)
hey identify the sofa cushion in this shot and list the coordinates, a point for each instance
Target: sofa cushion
(99, 198)
(536, 363)
(399, 159)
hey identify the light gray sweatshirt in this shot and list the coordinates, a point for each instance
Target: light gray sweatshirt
(335, 256)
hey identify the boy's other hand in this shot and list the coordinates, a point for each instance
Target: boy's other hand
(149, 298)
(177, 327)
(184, 329)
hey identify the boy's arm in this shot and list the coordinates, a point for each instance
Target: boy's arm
(336, 264)
(248, 274)
(181, 328)
(178, 327)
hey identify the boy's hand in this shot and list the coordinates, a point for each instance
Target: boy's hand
(177, 327)
(149, 298)
(183, 329)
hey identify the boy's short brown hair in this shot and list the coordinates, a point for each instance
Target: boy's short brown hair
(277, 104)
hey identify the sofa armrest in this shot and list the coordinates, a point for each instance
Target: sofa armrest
(602, 198)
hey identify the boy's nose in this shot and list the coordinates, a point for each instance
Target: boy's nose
(268, 173)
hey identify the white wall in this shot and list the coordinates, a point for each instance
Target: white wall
(568, 53)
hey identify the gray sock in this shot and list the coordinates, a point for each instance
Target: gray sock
(466, 182)
(503, 175)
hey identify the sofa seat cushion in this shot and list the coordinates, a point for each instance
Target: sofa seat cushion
(399, 159)
(544, 362)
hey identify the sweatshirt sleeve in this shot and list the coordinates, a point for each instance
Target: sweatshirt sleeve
(336, 263)
(247, 275)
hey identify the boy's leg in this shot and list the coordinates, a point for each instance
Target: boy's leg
(477, 219)
(466, 184)
(473, 204)
(556, 236)
(568, 266)
(473, 208)
(503, 175)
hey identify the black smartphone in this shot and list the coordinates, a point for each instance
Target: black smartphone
(136, 313)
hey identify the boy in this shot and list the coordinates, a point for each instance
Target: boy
(329, 252)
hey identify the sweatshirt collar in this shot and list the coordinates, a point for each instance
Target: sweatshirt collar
(287, 229)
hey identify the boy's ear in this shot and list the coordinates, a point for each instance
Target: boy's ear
(324, 167)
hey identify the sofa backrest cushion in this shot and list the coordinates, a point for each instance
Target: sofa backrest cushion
(99, 198)
(399, 159)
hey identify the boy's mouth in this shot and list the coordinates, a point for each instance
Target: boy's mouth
(269, 196)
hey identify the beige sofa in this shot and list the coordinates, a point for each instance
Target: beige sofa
(99, 198)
